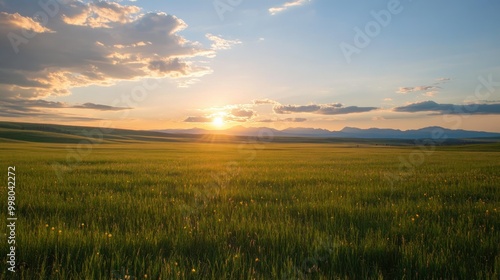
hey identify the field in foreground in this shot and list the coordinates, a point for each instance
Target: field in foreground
(254, 211)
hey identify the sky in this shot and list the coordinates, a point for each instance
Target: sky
(216, 64)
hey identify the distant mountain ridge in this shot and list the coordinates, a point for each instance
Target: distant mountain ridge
(432, 132)
(53, 133)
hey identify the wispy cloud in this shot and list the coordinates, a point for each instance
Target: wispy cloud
(405, 90)
(27, 105)
(218, 43)
(17, 21)
(442, 109)
(198, 119)
(295, 120)
(287, 5)
(430, 93)
(322, 109)
(442, 80)
(230, 113)
(264, 101)
(430, 90)
(248, 113)
(37, 109)
(99, 107)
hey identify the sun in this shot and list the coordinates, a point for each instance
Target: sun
(218, 121)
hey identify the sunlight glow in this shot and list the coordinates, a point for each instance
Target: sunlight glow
(218, 121)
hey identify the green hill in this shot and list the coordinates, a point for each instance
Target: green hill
(50, 133)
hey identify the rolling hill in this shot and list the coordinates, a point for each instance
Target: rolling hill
(51, 133)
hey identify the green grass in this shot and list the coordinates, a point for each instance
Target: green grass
(254, 211)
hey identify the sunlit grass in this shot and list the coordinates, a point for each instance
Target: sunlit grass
(271, 211)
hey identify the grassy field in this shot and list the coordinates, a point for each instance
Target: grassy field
(254, 211)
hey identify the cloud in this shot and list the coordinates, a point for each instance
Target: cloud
(246, 112)
(287, 5)
(16, 21)
(405, 90)
(218, 43)
(322, 109)
(48, 109)
(442, 109)
(102, 14)
(198, 119)
(242, 113)
(430, 93)
(86, 43)
(31, 108)
(264, 101)
(282, 120)
(230, 113)
(430, 90)
(99, 107)
(442, 80)
(288, 109)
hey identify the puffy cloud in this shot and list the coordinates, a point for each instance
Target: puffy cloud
(218, 43)
(18, 22)
(103, 14)
(287, 5)
(467, 109)
(81, 43)
(177, 68)
(322, 109)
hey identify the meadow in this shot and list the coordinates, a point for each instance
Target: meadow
(187, 210)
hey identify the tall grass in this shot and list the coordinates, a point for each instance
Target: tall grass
(283, 211)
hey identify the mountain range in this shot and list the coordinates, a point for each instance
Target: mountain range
(433, 132)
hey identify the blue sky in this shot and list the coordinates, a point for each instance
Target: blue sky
(297, 63)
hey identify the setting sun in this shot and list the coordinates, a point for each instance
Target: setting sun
(218, 121)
